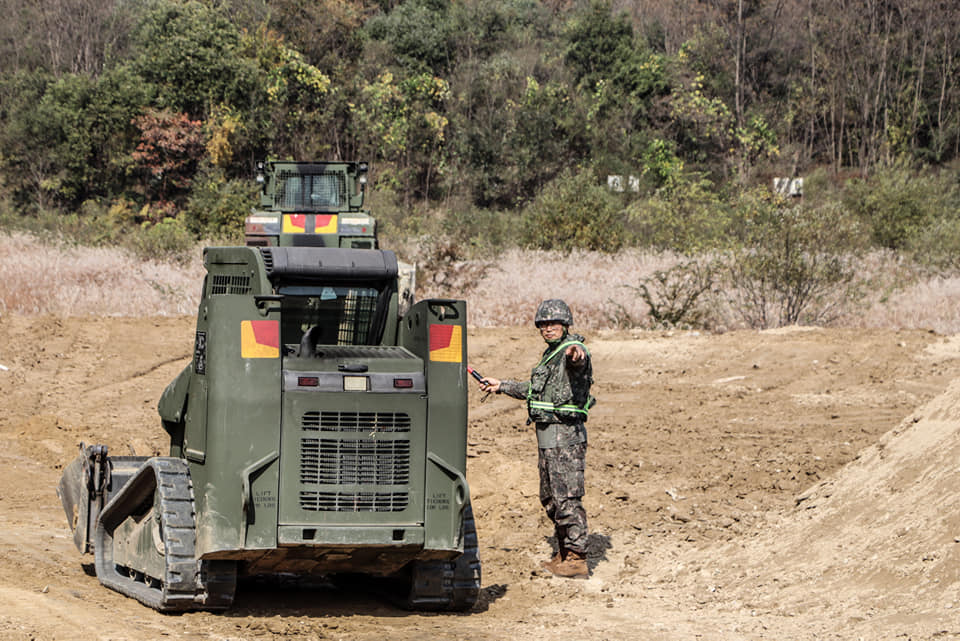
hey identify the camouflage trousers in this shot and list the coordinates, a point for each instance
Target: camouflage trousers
(561, 493)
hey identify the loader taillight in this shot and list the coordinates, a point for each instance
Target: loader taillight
(403, 383)
(308, 381)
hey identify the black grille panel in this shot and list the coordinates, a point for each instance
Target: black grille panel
(356, 422)
(226, 284)
(354, 502)
(354, 462)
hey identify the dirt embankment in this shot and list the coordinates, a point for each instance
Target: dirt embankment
(791, 484)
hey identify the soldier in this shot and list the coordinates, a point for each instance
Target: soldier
(558, 399)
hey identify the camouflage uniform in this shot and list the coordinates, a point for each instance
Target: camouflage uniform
(558, 397)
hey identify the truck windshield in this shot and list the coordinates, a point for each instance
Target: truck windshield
(310, 192)
(337, 315)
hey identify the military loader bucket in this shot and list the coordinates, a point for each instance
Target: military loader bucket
(87, 484)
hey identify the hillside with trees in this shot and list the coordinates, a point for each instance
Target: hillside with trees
(496, 124)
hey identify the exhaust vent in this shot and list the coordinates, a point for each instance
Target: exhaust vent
(267, 254)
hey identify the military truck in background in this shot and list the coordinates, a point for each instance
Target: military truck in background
(316, 431)
(318, 204)
(311, 204)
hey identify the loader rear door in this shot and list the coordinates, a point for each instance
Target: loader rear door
(352, 446)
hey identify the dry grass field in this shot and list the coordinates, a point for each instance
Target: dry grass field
(38, 277)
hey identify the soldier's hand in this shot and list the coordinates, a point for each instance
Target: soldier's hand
(575, 354)
(490, 385)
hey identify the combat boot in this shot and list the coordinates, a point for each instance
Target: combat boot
(573, 566)
(554, 562)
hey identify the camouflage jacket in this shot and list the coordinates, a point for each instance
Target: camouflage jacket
(558, 394)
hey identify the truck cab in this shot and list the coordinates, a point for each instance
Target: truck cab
(311, 204)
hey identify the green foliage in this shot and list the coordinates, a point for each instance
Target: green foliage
(168, 239)
(703, 117)
(899, 203)
(327, 32)
(620, 79)
(937, 246)
(218, 205)
(486, 29)
(419, 33)
(597, 42)
(64, 139)
(795, 264)
(545, 134)
(687, 215)
(662, 164)
(188, 51)
(403, 124)
(469, 109)
(574, 211)
(481, 232)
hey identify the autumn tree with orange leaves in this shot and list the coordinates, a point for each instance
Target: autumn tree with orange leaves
(167, 155)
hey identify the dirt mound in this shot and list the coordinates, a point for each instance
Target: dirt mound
(875, 546)
(700, 447)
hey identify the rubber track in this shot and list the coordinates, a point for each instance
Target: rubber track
(186, 584)
(449, 585)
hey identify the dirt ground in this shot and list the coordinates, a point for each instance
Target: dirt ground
(788, 484)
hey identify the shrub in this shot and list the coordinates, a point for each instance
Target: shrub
(688, 217)
(574, 212)
(938, 245)
(169, 240)
(797, 265)
(481, 232)
(217, 206)
(676, 297)
(899, 203)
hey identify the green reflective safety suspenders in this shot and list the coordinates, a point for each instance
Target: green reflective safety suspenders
(567, 408)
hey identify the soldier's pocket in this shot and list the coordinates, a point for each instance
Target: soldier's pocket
(575, 476)
(538, 380)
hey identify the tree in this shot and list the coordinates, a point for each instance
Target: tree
(403, 124)
(597, 42)
(189, 52)
(168, 153)
(328, 33)
(419, 33)
(62, 36)
(67, 140)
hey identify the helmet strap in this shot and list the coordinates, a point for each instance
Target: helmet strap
(557, 341)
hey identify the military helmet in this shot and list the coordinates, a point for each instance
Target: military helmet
(553, 309)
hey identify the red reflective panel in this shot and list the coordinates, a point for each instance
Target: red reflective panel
(308, 381)
(403, 382)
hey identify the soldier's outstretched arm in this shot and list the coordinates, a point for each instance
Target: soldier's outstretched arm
(576, 356)
(515, 389)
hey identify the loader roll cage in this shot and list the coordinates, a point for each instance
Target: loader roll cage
(333, 296)
(347, 314)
